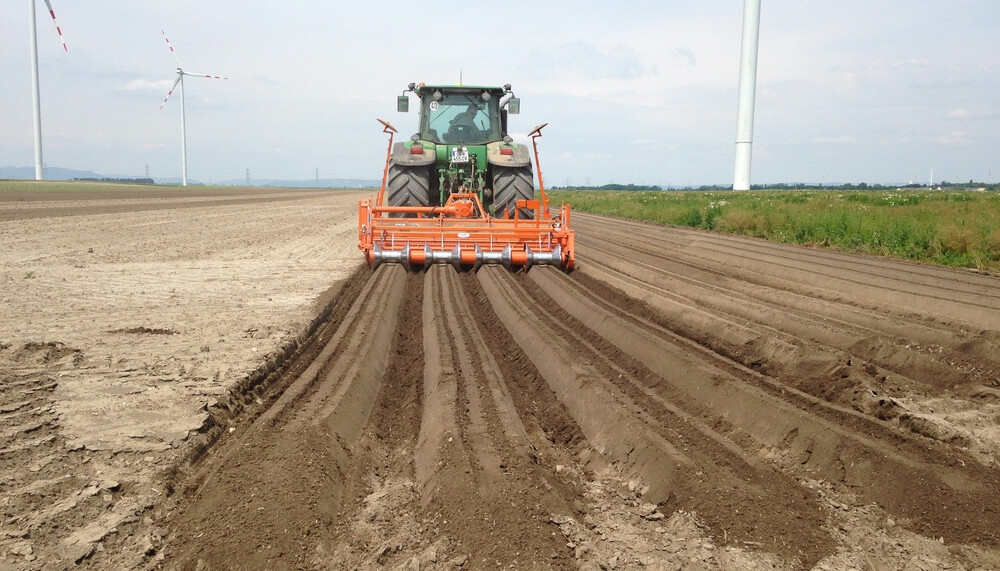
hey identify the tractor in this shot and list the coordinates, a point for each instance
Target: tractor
(462, 145)
(460, 191)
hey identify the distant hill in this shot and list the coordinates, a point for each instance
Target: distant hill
(51, 173)
(57, 173)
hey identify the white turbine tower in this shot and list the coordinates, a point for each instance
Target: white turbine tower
(180, 79)
(748, 88)
(35, 93)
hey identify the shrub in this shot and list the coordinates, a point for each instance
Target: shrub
(692, 218)
(992, 243)
(737, 222)
(710, 215)
(955, 239)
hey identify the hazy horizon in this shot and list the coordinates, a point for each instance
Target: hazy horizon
(641, 93)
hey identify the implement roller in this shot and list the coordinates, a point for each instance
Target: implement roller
(464, 196)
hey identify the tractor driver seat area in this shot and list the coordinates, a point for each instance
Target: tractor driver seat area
(462, 133)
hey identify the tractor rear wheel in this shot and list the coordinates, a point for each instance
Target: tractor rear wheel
(511, 184)
(407, 186)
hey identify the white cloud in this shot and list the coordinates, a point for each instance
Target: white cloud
(955, 138)
(687, 55)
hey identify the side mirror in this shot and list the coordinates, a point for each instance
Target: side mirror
(514, 105)
(402, 104)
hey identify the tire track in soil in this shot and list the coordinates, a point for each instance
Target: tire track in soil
(49, 491)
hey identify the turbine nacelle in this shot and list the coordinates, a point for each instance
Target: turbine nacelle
(180, 75)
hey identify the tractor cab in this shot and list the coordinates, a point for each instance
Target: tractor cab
(461, 115)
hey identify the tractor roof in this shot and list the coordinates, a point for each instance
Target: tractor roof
(421, 89)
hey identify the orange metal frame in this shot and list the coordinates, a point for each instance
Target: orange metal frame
(386, 128)
(462, 232)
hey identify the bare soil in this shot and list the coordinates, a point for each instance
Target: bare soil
(128, 318)
(684, 400)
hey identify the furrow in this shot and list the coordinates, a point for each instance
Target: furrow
(875, 464)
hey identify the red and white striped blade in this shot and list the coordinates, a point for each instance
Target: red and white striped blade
(168, 45)
(169, 93)
(204, 75)
(58, 29)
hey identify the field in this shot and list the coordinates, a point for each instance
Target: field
(952, 228)
(75, 186)
(211, 378)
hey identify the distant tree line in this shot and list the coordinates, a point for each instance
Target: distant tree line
(612, 186)
(118, 180)
(943, 185)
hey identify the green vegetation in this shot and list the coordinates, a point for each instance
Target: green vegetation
(954, 228)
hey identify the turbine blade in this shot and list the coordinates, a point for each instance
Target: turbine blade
(168, 45)
(203, 75)
(58, 29)
(172, 87)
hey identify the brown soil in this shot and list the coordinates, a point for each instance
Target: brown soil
(132, 330)
(683, 400)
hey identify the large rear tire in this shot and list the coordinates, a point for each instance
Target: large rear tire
(511, 184)
(407, 186)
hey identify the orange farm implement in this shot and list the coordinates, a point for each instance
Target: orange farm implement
(461, 232)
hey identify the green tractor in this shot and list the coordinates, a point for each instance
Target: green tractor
(462, 146)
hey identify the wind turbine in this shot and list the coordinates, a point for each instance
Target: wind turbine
(180, 79)
(747, 93)
(35, 93)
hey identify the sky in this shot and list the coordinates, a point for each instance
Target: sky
(633, 92)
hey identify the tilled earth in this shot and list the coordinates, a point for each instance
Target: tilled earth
(683, 400)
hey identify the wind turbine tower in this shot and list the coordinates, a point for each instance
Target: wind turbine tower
(36, 103)
(748, 88)
(180, 79)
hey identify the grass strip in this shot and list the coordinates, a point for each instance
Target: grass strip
(951, 228)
